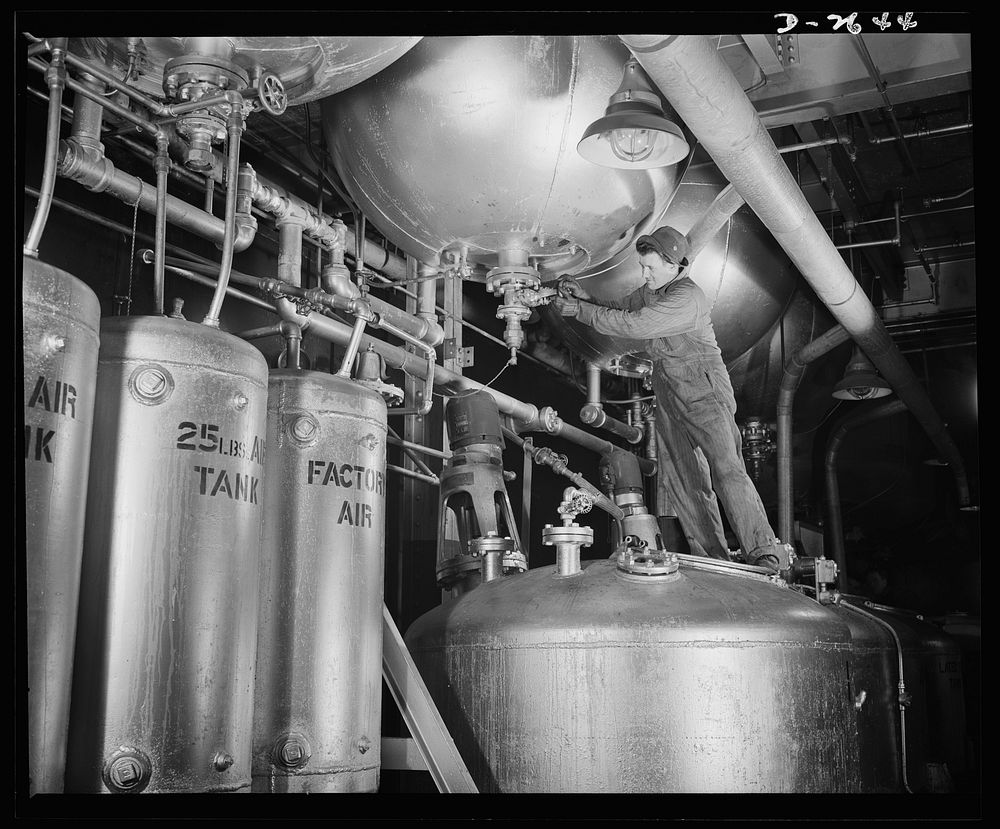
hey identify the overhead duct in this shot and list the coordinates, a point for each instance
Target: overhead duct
(701, 88)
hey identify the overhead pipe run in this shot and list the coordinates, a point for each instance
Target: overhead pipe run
(833, 515)
(704, 93)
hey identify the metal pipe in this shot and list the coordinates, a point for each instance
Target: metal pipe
(351, 353)
(410, 450)
(922, 214)
(593, 413)
(111, 80)
(790, 380)
(880, 85)
(290, 251)
(902, 698)
(543, 456)
(416, 447)
(939, 199)
(55, 76)
(893, 241)
(259, 333)
(820, 142)
(409, 473)
(234, 129)
(428, 395)
(120, 111)
(834, 524)
(162, 167)
(925, 133)
(207, 281)
(720, 211)
(707, 97)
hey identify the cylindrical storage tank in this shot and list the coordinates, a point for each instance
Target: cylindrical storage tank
(317, 712)
(706, 681)
(935, 708)
(61, 317)
(874, 678)
(166, 638)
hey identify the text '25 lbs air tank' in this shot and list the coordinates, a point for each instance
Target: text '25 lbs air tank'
(166, 638)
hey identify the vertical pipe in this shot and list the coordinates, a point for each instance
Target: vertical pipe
(834, 523)
(55, 75)
(234, 129)
(162, 167)
(786, 397)
(290, 252)
(594, 384)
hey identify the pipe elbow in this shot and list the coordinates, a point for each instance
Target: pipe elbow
(593, 415)
(246, 232)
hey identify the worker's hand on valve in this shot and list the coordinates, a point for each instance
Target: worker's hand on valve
(568, 307)
(569, 287)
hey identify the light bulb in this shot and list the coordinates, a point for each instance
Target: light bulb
(632, 145)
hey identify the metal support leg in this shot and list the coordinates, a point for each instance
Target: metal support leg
(421, 715)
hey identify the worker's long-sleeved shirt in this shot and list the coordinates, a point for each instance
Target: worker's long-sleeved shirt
(675, 321)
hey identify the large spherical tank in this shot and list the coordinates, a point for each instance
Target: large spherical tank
(308, 66)
(709, 682)
(469, 143)
(61, 317)
(744, 273)
(935, 710)
(166, 637)
(317, 713)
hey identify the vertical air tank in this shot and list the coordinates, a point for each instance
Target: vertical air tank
(61, 317)
(317, 713)
(166, 639)
(710, 679)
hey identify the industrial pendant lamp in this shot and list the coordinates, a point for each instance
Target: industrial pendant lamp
(861, 381)
(634, 134)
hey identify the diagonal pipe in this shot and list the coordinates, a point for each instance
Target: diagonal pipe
(704, 93)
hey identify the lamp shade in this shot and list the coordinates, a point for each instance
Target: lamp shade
(634, 134)
(861, 381)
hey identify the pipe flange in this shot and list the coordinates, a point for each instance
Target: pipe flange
(190, 77)
(503, 277)
(490, 544)
(453, 570)
(646, 563)
(567, 534)
(549, 419)
(514, 561)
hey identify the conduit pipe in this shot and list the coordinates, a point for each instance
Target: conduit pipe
(706, 96)
(55, 77)
(833, 516)
(790, 380)
(234, 130)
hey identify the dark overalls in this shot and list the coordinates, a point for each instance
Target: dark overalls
(695, 413)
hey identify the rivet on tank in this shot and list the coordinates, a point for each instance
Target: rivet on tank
(163, 685)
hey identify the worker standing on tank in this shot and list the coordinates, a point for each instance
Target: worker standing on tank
(695, 401)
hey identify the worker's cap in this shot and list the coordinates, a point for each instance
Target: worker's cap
(671, 244)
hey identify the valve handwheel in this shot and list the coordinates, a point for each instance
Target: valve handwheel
(271, 92)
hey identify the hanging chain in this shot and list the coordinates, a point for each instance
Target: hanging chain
(126, 301)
